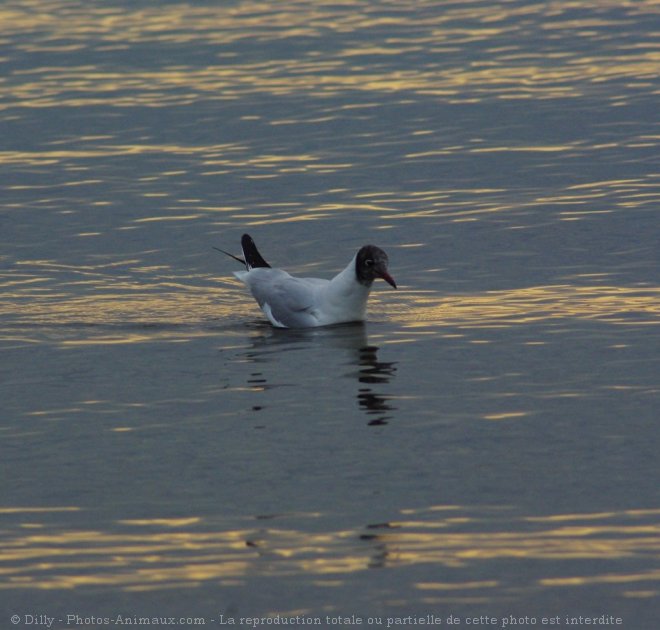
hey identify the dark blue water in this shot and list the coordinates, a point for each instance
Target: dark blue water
(485, 445)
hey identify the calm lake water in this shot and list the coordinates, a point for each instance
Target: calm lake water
(484, 446)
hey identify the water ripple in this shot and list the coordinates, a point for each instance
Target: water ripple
(515, 52)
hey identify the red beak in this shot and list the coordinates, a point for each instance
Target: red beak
(389, 279)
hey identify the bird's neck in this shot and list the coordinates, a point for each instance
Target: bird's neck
(347, 280)
(346, 292)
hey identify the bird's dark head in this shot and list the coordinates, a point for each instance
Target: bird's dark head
(371, 263)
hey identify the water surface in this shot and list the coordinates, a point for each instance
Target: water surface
(485, 443)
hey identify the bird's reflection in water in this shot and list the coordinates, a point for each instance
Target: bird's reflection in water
(269, 343)
(374, 372)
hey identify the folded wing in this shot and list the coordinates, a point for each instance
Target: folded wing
(288, 302)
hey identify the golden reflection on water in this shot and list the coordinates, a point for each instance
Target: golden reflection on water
(612, 304)
(126, 293)
(512, 51)
(367, 39)
(147, 554)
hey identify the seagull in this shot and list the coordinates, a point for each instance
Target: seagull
(290, 302)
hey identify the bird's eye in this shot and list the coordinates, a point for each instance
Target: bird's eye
(369, 262)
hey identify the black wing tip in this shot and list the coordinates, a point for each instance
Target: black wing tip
(222, 251)
(252, 256)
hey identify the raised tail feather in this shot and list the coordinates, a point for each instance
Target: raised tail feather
(252, 256)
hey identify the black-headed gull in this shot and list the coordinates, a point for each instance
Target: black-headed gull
(290, 302)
